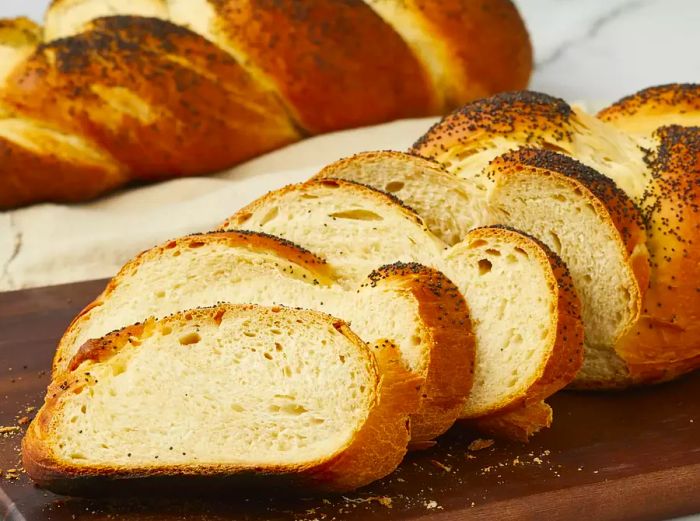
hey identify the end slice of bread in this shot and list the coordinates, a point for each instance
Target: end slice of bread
(523, 307)
(222, 392)
(408, 309)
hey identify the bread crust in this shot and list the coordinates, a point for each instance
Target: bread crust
(566, 353)
(524, 116)
(178, 116)
(649, 109)
(450, 366)
(518, 424)
(51, 171)
(465, 61)
(374, 451)
(665, 342)
(319, 55)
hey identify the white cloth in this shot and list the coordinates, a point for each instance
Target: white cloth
(53, 244)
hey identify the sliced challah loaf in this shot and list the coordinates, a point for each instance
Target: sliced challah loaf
(407, 309)
(655, 168)
(521, 300)
(213, 394)
(209, 83)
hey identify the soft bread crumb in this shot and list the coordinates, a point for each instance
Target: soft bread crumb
(480, 443)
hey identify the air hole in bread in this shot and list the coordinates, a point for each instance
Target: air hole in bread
(415, 340)
(522, 252)
(190, 338)
(118, 367)
(270, 215)
(309, 196)
(176, 253)
(237, 407)
(275, 331)
(160, 294)
(287, 371)
(357, 215)
(485, 266)
(477, 243)
(77, 455)
(196, 244)
(587, 278)
(493, 252)
(73, 419)
(342, 358)
(278, 346)
(560, 198)
(166, 330)
(83, 409)
(394, 186)
(555, 241)
(249, 334)
(268, 356)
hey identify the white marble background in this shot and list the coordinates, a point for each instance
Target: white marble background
(592, 50)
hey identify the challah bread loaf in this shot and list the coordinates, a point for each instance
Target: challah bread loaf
(218, 394)
(649, 109)
(410, 310)
(521, 300)
(202, 85)
(664, 344)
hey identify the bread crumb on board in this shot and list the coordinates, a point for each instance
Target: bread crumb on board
(480, 443)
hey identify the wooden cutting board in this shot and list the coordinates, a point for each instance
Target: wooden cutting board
(628, 455)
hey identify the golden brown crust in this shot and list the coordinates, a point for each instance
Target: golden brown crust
(566, 354)
(651, 108)
(518, 424)
(51, 171)
(336, 64)
(450, 368)
(525, 116)
(666, 340)
(486, 61)
(374, 451)
(191, 109)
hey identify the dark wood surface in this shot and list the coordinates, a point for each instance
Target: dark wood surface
(630, 455)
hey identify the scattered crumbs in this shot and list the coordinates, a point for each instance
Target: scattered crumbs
(9, 429)
(471, 456)
(517, 461)
(580, 469)
(11, 474)
(595, 472)
(472, 504)
(382, 500)
(441, 465)
(537, 460)
(29, 409)
(326, 501)
(691, 420)
(400, 480)
(479, 444)
(23, 420)
(432, 504)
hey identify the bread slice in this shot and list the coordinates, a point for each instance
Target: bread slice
(408, 309)
(442, 200)
(598, 232)
(528, 343)
(219, 393)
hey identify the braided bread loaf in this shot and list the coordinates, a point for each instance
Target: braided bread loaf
(118, 90)
(625, 219)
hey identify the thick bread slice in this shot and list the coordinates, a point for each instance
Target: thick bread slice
(448, 38)
(598, 232)
(408, 309)
(189, 96)
(218, 393)
(649, 109)
(528, 342)
(440, 198)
